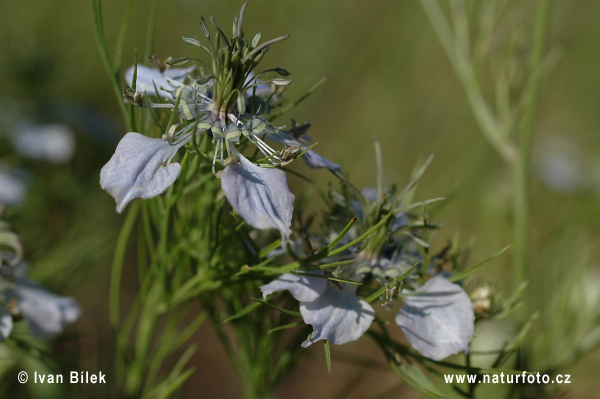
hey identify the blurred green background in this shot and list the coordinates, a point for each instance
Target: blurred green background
(387, 76)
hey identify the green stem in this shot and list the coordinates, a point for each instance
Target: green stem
(522, 165)
(119, 259)
(113, 75)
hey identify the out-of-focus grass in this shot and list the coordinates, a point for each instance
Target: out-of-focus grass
(386, 76)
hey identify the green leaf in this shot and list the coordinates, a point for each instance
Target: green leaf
(407, 194)
(285, 327)
(244, 311)
(462, 275)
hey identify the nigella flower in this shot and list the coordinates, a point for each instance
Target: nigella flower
(215, 105)
(47, 314)
(53, 142)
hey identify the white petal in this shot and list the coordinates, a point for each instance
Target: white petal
(439, 321)
(12, 188)
(178, 74)
(47, 314)
(148, 78)
(338, 316)
(303, 289)
(139, 168)
(260, 195)
(54, 142)
(6, 323)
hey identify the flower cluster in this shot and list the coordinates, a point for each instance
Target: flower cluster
(222, 112)
(436, 316)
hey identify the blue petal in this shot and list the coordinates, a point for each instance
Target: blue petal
(438, 321)
(260, 195)
(139, 168)
(303, 289)
(148, 78)
(46, 313)
(338, 316)
(6, 323)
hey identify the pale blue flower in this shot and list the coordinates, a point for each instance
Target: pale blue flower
(47, 314)
(141, 167)
(53, 142)
(438, 319)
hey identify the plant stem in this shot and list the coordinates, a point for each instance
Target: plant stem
(522, 165)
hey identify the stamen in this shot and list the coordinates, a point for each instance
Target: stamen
(222, 152)
(215, 156)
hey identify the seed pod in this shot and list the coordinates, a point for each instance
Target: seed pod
(191, 41)
(178, 61)
(256, 40)
(204, 28)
